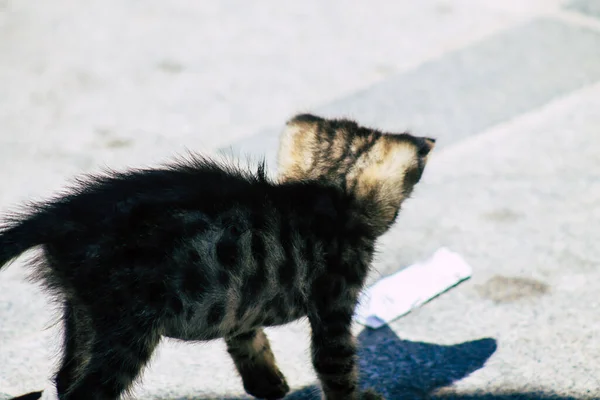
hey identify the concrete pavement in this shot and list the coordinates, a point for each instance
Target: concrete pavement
(511, 90)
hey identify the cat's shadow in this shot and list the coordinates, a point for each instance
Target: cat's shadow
(401, 369)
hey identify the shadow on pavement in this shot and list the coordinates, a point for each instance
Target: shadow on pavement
(404, 370)
(501, 396)
(29, 396)
(401, 369)
(396, 367)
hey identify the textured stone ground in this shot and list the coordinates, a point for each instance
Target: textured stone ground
(512, 89)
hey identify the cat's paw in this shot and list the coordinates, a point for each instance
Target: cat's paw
(370, 394)
(268, 385)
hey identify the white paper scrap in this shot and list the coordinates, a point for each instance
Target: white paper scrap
(402, 292)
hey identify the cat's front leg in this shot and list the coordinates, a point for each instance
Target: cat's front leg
(334, 349)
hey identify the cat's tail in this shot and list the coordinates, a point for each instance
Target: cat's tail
(21, 233)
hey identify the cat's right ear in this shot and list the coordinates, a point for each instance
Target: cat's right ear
(299, 146)
(305, 118)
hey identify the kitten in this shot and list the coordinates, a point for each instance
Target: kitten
(199, 250)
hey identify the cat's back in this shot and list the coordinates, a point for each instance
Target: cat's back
(148, 213)
(197, 184)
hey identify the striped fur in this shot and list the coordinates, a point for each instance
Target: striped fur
(199, 250)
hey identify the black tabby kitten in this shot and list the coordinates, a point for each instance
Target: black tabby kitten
(200, 251)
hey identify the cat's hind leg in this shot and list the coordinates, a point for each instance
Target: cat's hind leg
(120, 349)
(255, 362)
(77, 339)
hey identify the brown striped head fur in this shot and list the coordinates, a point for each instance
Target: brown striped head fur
(378, 169)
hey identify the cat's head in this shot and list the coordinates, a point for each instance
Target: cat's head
(378, 169)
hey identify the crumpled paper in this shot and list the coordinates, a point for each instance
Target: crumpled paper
(402, 292)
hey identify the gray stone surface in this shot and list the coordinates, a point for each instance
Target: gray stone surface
(588, 7)
(513, 186)
(470, 89)
(107, 81)
(515, 201)
(517, 208)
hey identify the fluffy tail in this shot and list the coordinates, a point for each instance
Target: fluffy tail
(21, 234)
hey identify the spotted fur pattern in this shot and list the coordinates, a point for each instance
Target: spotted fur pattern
(199, 250)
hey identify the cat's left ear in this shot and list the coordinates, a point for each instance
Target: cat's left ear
(298, 146)
(426, 144)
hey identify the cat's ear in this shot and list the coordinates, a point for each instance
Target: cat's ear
(298, 146)
(426, 144)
